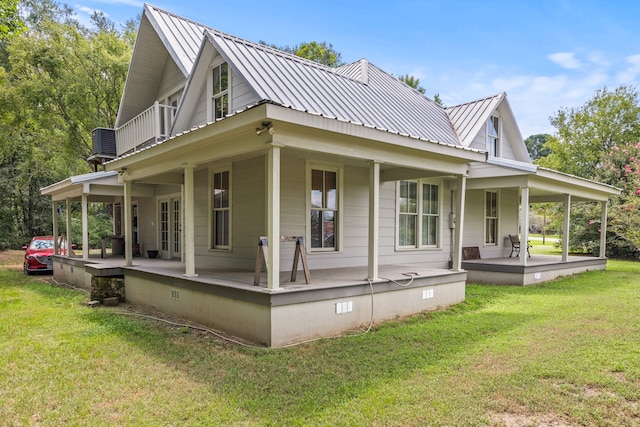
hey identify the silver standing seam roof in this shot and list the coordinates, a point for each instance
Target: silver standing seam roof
(359, 93)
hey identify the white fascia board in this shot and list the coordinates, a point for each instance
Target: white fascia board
(512, 164)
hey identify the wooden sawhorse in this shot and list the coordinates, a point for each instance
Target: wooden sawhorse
(263, 258)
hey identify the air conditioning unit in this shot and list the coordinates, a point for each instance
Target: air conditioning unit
(103, 142)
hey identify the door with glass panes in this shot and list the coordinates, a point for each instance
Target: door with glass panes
(170, 227)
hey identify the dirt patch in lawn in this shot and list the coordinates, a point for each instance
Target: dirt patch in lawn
(11, 259)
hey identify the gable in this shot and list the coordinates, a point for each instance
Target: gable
(164, 42)
(470, 122)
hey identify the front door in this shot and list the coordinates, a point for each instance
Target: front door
(170, 227)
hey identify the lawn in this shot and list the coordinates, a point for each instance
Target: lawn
(565, 353)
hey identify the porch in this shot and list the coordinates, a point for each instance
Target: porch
(337, 300)
(539, 268)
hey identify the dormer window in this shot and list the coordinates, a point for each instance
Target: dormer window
(220, 96)
(493, 136)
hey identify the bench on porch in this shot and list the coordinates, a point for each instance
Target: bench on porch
(515, 245)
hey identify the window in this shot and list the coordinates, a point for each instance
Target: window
(220, 91)
(418, 214)
(323, 209)
(493, 136)
(491, 218)
(221, 210)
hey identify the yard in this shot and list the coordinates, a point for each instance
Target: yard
(565, 353)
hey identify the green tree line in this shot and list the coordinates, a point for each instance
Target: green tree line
(59, 79)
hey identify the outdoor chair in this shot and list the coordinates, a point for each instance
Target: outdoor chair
(515, 245)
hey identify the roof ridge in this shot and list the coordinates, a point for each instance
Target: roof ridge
(475, 101)
(174, 15)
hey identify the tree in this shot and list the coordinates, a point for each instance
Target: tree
(58, 81)
(536, 145)
(609, 119)
(10, 21)
(322, 53)
(414, 82)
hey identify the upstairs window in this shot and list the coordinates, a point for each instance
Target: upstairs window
(493, 136)
(220, 96)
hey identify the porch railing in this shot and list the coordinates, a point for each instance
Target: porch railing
(150, 126)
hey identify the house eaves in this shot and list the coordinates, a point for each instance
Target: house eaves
(468, 118)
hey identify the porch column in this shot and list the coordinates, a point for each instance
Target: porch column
(189, 227)
(603, 229)
(128, 226)
(56, 246)
(524, 225)
(459, 220)
(565, 226)
(273, 216)
(374, 218)
(85, 227)
(69, 239)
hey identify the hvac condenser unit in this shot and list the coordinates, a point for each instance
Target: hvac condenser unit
(103, 142)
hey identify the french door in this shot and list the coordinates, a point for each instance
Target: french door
(170, 227)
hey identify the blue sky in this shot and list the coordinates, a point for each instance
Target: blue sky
(545, 54)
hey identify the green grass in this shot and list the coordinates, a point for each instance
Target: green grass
(562, 353)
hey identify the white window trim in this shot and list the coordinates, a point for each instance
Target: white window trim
(499, 136)
(484, 218)
(210, 241)
(419, 215)
(158, 243)
(338, 234)
(210, 113)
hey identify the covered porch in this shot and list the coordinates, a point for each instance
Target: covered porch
(538, 269)
(523, 184)
(336, 301)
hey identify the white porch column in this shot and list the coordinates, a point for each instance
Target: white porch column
(374, 219)
(128, 225)
(460, 206)
(56, 246)
(565, 227)
(603, 229)
(85, 227)
(273, 216)
(69, 237)
(524, 225)
(189, 227)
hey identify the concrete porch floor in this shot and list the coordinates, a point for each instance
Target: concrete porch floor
(539, 268)
(320, 278)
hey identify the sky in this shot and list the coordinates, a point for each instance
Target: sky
(546, 55)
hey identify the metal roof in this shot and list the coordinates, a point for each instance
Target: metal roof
(182, 37)
(468, 118)
(358, 93)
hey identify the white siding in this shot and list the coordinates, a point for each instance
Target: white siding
(474, 222)
(242, 97)
(172, 78)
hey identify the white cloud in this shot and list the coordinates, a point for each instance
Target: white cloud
(565, 60)
(632, 72)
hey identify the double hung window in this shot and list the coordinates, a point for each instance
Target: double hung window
(323, 209)
(493, 136)
(220, 96)
(418, 214)
(491, 218)
(221, 210)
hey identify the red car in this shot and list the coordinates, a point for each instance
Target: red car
(37, 257)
